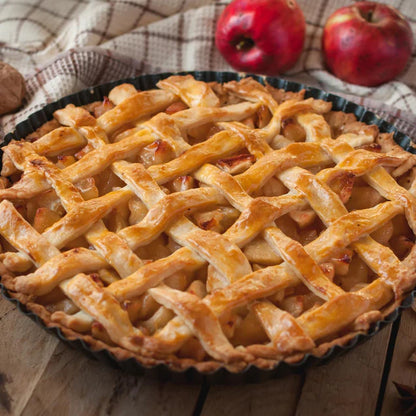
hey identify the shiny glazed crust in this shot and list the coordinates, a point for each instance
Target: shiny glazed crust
(208, 225)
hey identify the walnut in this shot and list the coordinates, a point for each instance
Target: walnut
(12, 88)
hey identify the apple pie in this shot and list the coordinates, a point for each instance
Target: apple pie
(208, 225)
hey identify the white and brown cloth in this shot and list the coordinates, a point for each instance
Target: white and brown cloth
(63, 46)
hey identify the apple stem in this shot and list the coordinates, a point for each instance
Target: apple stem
(368, 15)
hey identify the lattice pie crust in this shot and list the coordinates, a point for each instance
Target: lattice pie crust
(208, 225)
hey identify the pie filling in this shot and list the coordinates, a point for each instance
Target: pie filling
(208, 225)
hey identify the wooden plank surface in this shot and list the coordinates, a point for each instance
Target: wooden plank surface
(347, 385)
(402, 370)
(24, 353)
(274, 397)
(41, 376)
(75, 385)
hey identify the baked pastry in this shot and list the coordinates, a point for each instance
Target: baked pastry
(208, 225)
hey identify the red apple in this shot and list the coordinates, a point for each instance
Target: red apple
(262, 36)
(367, 43)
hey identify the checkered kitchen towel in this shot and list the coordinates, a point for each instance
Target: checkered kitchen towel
(63, 46)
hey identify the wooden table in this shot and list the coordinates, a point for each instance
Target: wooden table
(39, 375)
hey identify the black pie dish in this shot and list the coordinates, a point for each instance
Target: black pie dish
(191, 374)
